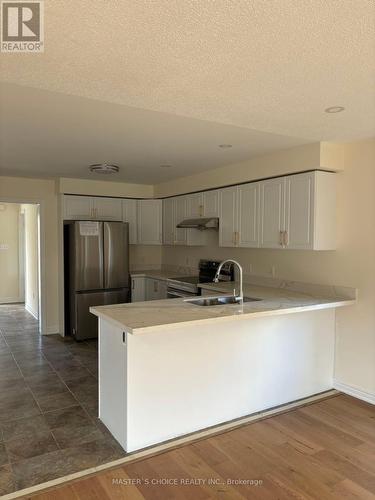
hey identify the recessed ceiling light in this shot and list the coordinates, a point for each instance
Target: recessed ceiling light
(334, 109)
(104, 168)
(166, 166)
(225, 146)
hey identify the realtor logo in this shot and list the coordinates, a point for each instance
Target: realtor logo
(22, 28)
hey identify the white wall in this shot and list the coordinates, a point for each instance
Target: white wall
(352, 264)
(31, 259)
(9, 253)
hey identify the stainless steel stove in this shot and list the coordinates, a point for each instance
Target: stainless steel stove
(187, 286)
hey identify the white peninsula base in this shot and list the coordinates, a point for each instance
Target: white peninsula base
(162, 384)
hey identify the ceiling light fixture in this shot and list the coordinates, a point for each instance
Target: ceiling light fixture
(104, 168)
(334, 109)
(225, 146)
(165, 166)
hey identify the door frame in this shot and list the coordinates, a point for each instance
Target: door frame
(41, 255)
(21, 256)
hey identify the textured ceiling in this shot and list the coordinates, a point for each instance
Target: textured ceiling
(270, 65)
(45, 133)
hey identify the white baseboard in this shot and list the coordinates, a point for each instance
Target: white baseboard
(50, 330)
(11, 300)
(354, 391)
(31, 311)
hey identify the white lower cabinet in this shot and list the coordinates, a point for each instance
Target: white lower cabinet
(156, 289)
(144, 288)
(138, 288)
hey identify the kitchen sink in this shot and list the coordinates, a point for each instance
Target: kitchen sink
(219, 300)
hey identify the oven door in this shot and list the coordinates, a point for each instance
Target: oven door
(174, 293)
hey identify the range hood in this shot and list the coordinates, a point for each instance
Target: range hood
(202, 223)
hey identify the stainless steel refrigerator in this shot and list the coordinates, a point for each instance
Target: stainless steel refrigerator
(98, 262)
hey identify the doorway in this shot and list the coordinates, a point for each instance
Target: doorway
(20, 259)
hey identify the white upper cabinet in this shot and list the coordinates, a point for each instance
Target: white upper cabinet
(149, 215)
(180, 236)
(299, 211)
(176, 210)
(168, 221)
(129, 214)
(296, 212)
(272, 212)
(95, 208)
(211, 203)
(310, 211)
(248, 201)
(78, 207)
(194, 205)
(204, 204)
(107, 208)
(228, 226)
(239, 216)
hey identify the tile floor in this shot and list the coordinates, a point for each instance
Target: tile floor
(48, 405)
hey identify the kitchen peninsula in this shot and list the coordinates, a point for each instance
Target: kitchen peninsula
(172, 367)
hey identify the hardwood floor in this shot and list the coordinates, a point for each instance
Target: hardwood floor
(322, 451)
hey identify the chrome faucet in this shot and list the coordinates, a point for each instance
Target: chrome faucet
(216, 279)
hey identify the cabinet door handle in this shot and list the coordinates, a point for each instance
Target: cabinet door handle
(123, 337)
(281, 238)
(201, 210)
(133, 284)
(286, 239)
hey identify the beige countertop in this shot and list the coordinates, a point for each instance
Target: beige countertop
(144, 317)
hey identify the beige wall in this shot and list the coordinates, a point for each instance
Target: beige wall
(31, 258)
(44, 192)
(9, 256)
(352, 264)
(104, 188)
(286, 161)
(145, 257)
